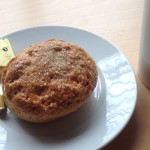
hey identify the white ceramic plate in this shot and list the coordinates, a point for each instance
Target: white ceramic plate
(97, 122)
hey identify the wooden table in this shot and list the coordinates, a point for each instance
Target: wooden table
(117, 20)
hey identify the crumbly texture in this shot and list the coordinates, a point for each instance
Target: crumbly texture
(48, 80)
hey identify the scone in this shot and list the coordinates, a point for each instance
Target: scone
(48, 80)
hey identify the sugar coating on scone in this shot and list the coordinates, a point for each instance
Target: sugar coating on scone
(48, 80)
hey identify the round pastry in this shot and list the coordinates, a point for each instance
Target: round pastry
(48, 80)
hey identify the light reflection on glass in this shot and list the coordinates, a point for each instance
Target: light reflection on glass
(120, 82)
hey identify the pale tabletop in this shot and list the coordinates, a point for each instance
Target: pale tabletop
(119, 21)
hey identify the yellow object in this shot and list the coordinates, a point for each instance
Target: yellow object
(6, 53)
(2, 106)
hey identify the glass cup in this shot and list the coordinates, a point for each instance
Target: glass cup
(144, 56)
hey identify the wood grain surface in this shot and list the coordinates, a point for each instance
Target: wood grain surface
(119, 21)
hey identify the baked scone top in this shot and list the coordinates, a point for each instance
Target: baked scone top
(48, 76)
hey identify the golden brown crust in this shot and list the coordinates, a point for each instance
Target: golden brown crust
(48, 80)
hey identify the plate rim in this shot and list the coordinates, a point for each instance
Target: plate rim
(112, 44)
